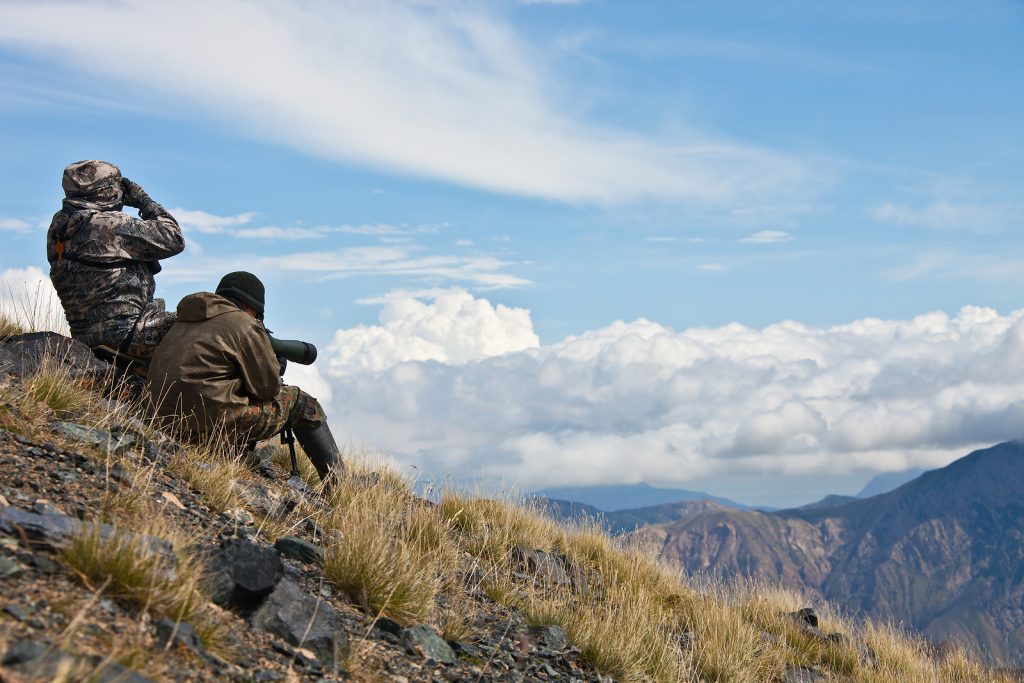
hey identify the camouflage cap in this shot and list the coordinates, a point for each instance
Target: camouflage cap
(93, 181)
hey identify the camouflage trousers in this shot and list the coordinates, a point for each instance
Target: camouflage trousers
(290, 408)
(149, 330)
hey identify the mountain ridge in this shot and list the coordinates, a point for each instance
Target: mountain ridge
(943, 552)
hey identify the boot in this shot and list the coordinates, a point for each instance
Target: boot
(322, 451)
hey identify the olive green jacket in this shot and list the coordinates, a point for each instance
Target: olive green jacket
(215, 362)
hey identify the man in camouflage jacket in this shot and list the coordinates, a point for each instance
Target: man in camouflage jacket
(102, 261)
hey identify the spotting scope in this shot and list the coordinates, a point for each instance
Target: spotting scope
(294, 350)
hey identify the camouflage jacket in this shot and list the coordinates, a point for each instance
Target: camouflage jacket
(102, 265)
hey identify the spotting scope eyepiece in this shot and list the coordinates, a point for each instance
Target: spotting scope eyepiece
(294, 350)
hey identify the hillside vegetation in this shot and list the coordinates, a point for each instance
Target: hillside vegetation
(113, 539)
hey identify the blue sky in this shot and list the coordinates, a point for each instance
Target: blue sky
(693, 164)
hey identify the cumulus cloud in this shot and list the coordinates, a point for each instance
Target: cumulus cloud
(446, 91)
(27, 297)
(443, 387)
(768, 237)
(448, 326)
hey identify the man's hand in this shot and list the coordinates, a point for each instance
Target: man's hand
(132, 193)
(134, 196)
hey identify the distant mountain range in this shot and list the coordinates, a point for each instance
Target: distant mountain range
(887, 481)
(943, 553)
(623, 508)
(625, 520)
(612, 498)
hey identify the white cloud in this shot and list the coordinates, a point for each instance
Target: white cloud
(1006, 266)
(454, 328)
(656, 238)
(15, 225)
(376, 229)
(637, 401)
(445, 91)
(400, 261)
(237, 226)
(28, 298)
(947, 215)
(272, 232)
(210, 223)
(768, 237)
(712, 268)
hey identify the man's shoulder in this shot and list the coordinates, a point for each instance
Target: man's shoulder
(89, 221)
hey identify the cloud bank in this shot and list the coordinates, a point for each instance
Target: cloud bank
(459, 387)
(445, 91)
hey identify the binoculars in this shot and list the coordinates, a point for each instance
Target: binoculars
(294, 350)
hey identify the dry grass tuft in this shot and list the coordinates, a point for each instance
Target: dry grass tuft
(492, 528)
(213, 470)
(134, 567)
(55, 386)
(10, 327)
(393, 550)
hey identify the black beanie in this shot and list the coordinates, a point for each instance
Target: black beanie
(243, 288)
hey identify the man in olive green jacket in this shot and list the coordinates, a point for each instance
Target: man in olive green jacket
(215, 373)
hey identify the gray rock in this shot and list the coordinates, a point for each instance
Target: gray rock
(178, 634)
(40, 661)
(686, 639)
(299, 549)
(49, 529)
(387, 625)
(548, 568)
(802, 674)
(241, 572)
(806, 615)
(421, 640)
(93, 436)
(65, 476)
(303, 621)
(19, 612)
(36, 660)
(112, 672)
(8, 568)
(23, 354)
(552, 637)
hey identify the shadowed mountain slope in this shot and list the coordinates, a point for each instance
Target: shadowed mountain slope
(943, 553)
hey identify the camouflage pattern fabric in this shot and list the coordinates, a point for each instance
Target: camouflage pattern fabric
(291, 407)
(151, 328)
(102, 261)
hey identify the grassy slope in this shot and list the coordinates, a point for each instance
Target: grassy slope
(414, 561)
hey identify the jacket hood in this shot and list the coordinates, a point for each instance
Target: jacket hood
(93, 184)
(202, 306)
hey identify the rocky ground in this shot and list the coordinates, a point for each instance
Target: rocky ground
(286, 622)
